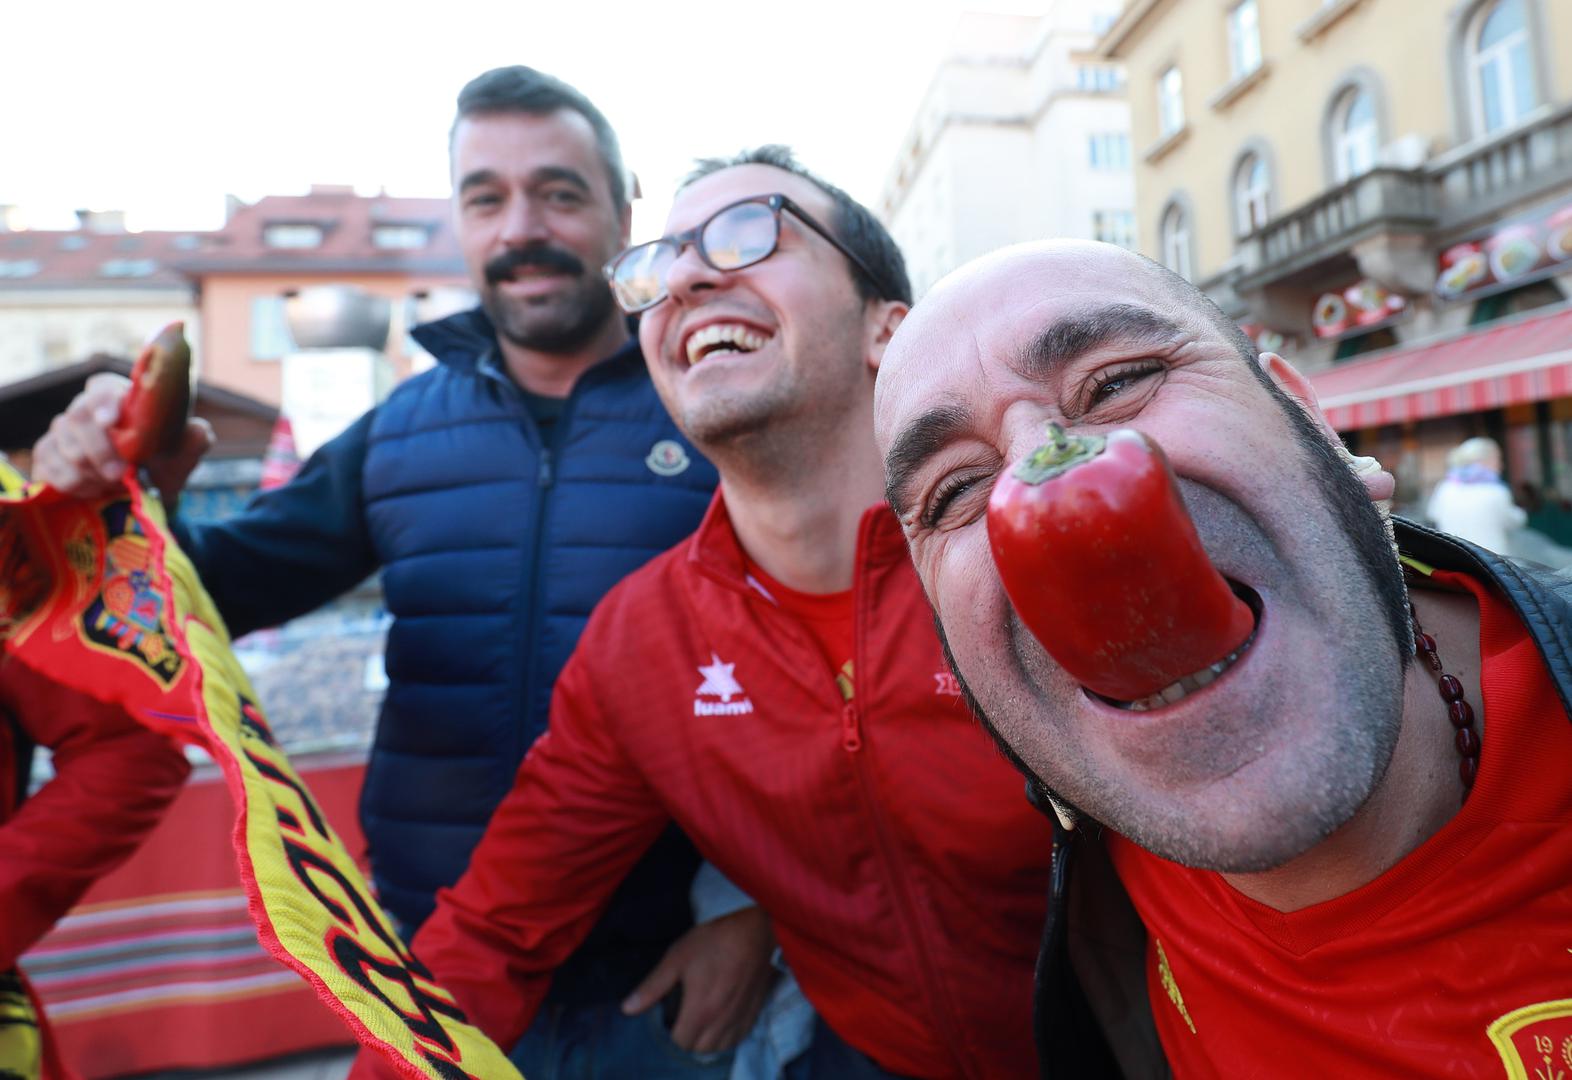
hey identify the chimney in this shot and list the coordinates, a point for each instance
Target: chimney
(101, 221)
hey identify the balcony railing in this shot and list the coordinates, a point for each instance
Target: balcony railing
(1377, 200)
(1458, 189)
(1478, 180)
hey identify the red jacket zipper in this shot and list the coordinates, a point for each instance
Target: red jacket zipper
(852, 742)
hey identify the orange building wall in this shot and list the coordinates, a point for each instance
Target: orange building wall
(224, 353)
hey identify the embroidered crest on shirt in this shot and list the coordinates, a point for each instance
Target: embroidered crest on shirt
(845, 682)
(720, 682)
(667, 458)
(1535, 1042)
(1166, 975)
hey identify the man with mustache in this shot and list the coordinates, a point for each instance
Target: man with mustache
(500, 494)
(773, 684)
(1350, 858)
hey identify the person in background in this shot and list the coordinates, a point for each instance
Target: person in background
(500, 494)
(774, 684)
(1471, 501)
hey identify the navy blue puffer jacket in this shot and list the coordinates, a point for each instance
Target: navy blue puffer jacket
(493, 548)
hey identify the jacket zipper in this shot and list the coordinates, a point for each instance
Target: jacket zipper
(852, 742)
(851, 729)
(545, 481)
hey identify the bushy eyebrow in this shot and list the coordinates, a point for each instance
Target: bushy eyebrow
(544, 175)
(1081, 332)
(920, 440)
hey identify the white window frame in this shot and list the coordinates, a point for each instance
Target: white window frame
(1244, 38)
(292, 235)
(1174, 232)
(1497, 63)
(1114, 227)
(1252, 194)
(1354, 150)
(1108, 151)
(1170, 100)
(269, 337)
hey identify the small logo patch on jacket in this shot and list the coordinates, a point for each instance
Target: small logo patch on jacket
(667, 458)
(721, 683)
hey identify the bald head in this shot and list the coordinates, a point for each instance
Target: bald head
(1036, 308)
(1018, 274)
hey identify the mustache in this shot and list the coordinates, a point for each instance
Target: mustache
(504, 266)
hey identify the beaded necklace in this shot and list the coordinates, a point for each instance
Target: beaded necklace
(1458, 710)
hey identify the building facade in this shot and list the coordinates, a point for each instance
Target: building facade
(399, 249)
(66, 295)
(1381, 189)
(1022, 134)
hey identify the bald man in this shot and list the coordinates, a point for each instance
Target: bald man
(1335, 864)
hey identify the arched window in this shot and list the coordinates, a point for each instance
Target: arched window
(1356, 137)
(1252, 194)
(1174, 232)
(1501, 67)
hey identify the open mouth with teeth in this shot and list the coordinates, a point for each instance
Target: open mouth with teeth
(723, 339)
(1182, 688)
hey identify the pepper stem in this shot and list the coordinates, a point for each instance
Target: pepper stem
(1060, 454)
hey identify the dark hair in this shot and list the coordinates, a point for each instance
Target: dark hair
(854, 224)
(1192, 297)
(520, 89)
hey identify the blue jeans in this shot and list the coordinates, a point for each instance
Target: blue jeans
(597, 1042)
(829, 1057)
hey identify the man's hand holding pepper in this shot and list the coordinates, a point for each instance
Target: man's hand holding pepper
(75, 455)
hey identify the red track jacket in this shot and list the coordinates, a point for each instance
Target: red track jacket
(890, 842)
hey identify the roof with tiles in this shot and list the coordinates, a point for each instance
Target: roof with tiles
(329, 230)
(332, 228)
(76, 258)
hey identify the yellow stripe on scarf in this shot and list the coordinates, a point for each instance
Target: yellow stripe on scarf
(105, 602)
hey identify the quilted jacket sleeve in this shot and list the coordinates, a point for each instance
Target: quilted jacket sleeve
(292, 549)
(577, 819)
(113, 779)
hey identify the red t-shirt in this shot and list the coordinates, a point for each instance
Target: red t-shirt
(827, 616)
(1457, 962)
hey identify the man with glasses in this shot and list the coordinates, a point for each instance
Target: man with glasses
(501, 494)
(774, 683)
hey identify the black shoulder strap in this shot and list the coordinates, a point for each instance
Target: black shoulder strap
(1070, 1041)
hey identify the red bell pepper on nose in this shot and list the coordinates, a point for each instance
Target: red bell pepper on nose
(1104, 567)
(153, 413)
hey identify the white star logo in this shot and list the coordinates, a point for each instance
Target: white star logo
(718, 679)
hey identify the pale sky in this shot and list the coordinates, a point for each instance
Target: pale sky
(160, 107)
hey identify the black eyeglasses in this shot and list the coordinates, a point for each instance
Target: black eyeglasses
(746, 232)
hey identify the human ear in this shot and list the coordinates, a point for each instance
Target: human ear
(883, 317)
(1377, 481)
(625, 232)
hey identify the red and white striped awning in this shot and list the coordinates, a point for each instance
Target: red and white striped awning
(1524, 360)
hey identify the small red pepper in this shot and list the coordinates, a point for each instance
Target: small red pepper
(1103, 565)
(153, 413)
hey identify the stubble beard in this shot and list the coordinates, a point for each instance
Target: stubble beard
(561, 324)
